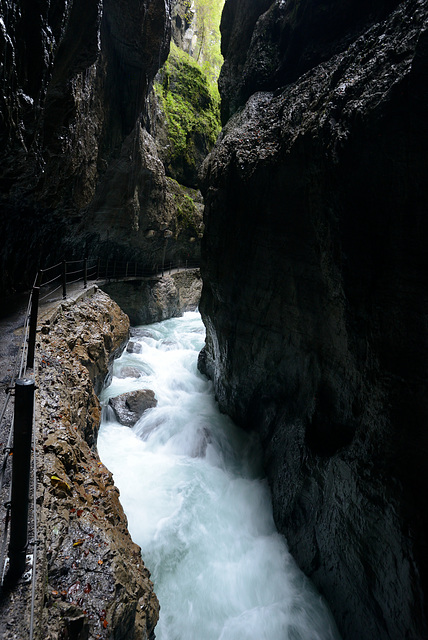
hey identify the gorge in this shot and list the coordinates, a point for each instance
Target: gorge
(313, 256)
(192, 486)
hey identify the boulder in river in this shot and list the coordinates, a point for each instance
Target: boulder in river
(129, 407)
(134, 347)
(200, 446)
(129, 372)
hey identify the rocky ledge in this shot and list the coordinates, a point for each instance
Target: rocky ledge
(147, 301)
(92, 580)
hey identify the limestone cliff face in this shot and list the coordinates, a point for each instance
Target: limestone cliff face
(315, 281)
(79, 172)
(92, 580)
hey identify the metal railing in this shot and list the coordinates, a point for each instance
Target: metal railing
(60, 275)
(21, 440)
(22, 444)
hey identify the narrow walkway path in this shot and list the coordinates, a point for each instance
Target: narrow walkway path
(15, 605)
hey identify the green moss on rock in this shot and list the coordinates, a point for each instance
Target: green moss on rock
(192, 115)
(188, 211)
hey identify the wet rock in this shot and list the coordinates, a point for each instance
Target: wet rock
(315, 289)
(97, 347)
(159, 299)
(91, 574)
(182, 84)
(134, 347)
(189, 286)
(270, 44)
(183, 25)
(147, 302)
(129, 407)
(77, 624)
(129, 372)
(75, 85)
(139, 332)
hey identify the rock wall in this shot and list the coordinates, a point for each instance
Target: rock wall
(155, 300)
(183, 31)
(189, 287)
(92, 580)
(268, 44)
(315, 289)
(79, 172)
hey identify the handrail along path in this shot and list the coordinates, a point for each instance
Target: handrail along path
(51, 285)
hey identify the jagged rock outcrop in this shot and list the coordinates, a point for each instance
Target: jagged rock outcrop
(268, 44)
(189, 287)
(315, 289)
(79, 172)
(95, 583)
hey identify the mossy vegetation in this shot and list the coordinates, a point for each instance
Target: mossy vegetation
(188, 209)
(190, 104)
(189, 14)
(186, 212)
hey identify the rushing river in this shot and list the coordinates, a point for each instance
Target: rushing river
(192, 487)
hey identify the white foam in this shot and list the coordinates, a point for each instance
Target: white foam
(191, 487)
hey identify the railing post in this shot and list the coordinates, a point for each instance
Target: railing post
(126, 270)
(85, 273)
(106, 274)
(98, 268)
(135, 275)
(33, 327)
(64, 279)
(163, 256)
(22, 434)
(114, 269)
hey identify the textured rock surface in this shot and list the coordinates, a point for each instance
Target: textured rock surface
(315, 290)
(155, 300)
(129, 372)
(189, 286)
(79, 172)
(129, 407)
(96, 585)
(147, 301)
(268, 44)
